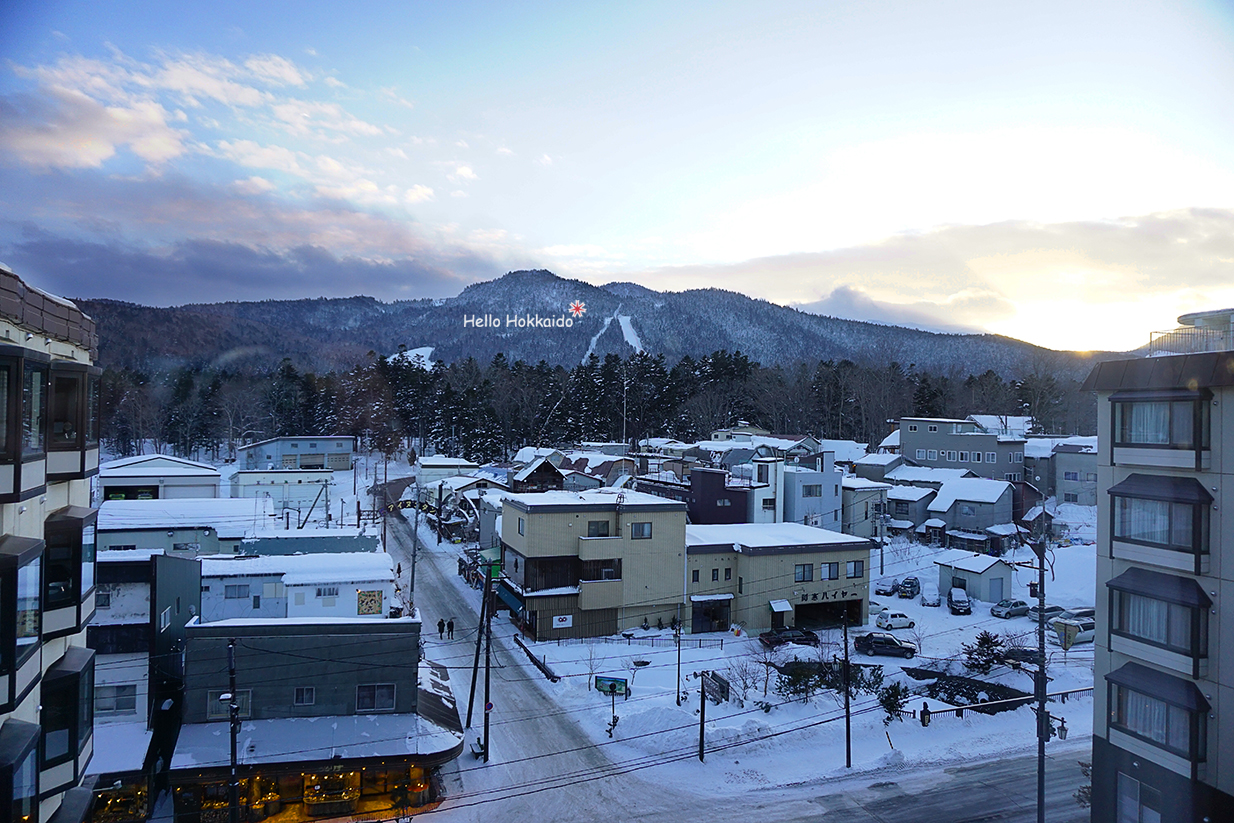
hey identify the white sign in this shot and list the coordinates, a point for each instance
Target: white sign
(563, 621)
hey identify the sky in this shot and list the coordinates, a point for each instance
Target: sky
(1061, 173)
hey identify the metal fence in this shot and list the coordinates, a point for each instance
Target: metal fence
(1189, 340)
(654, 642)
(1015, 702)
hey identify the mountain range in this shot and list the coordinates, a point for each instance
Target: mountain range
(327, 334)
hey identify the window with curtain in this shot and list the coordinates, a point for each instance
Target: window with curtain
(1161, 523)
(1154, 720)
(1159, 623)
(1160, 423)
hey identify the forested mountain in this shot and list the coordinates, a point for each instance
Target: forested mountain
(322, 335)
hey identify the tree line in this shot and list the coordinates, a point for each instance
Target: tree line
(485, 412)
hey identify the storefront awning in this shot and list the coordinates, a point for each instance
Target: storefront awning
(703, 598)
(510, 599)
(781, 606)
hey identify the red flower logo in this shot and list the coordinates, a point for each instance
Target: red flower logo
(578, 308)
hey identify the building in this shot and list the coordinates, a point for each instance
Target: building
(305, 490)
(708, 494)
(984, 577)
(765, 575)
(812, 493)
(431, 470)
(47, 553)
(865, 503)
(1075, 471)
(909, 507)
(156, 477)
(390, 719)
(980, 443)
(359, 584)
(333, 453)
(189, 527)
(1163, 747)
(977, 514)
(591, 563)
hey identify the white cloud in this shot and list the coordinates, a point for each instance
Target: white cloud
(458, 193)
(253, 185)
(462, 173)
(334, 82)
(418, 194)
(505, 152)
(275, 69)
(304, 117)
(204, 76)
(390, 94)
(544, 160)
(254, 155)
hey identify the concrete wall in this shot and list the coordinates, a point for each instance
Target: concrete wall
(1084, 485)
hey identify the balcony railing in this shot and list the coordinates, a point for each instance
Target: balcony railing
(1189, 340)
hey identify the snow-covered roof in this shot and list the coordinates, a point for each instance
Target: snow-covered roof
(934, 523)
(305, 569)
(437, 462)
(1042, 447)
(878, 459)
(925, 474)
(891, 441)
(970, 490)
(860, 483)
(120, 747)
(525, 472)
(529, 453)
(231, 518)
(146, 465)
(846, 451)
(496, 474)
(768, 535)
(1016, 425)
(591, 497)
(967, 561)
(899, 524)
(1078, 445)
(908, 493)
(1005, 529)
(125, 555)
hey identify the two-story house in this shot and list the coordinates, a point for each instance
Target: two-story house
(975, 443)
(976, 514)
(592, 563)
(357, 584)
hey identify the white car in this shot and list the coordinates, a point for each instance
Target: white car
(894, 620)
(876, 608)
(1085, 629)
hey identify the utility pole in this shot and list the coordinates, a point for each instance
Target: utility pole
(475, 664)
(233, 712)
(415, 541)
(702, 712)
(677, 637)
(440, 525)
(848, 718)
(488, 649)
(1040, 681)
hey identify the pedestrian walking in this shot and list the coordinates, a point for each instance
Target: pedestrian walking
(441, 629)
(450, 629)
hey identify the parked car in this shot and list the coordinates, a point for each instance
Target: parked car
(909, 587)
(895, 620)
(958, 602)
(1009, 608)
(886, 588)
(876, 608)
(1051, 612)
(778, 637)
(883, 643)
(1085, 629)
(930, 599)
(1077, 613)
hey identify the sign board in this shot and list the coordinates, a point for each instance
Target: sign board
(611, 685)
(563, 621)
(399, 504)
(715, 687)
(1066, 635)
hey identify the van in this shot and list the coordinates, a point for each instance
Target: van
(958, 602)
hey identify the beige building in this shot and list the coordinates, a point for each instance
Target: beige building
(765, 575)
(1163, 748)
(47, 556)
(592, 563)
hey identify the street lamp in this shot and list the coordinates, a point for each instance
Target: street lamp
(233, 788)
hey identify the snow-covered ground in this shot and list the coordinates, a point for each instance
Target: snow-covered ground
(768, 740)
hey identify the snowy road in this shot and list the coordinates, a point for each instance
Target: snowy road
(544, 765)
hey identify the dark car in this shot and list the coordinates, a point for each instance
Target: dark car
(884, 643)
(909, 587)
(778, 637)
(886, 588)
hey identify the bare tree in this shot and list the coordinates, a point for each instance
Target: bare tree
(766, 657)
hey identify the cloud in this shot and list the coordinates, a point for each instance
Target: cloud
(462, 173)
(390, 95)
(544, 160)
(199, 76)
(274, 69)
(334, 82)
(253, 185)
(458, 193)
(307, 117)
(418, 194)
(505, 152)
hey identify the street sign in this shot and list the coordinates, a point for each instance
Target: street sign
(488, 707)
(390, 508)
(611, 685)
(1066, 635)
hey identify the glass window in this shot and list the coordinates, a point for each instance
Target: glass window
(87, 557)
(327, 591)
(976, 457)
(640, 531)
(694, 576)
(58, 589)
(728, 574)
(305, 695)
(1162, 523)
(1152, 719)
(715, 575)
(829, 571)
(1160, 623)
(25, 788)
(521, 525)
(34, 409)
(963, 457)
(5, 373)
(67, 718)
(377, 697)
(92, 409)
(1162, 423)
(1137, 802)
(762, 473)
(597, 528)
(240, 591)
(216, 709)
(921, 454)
(769, 504)
(28, 609)
(803, 573)
(66, 399)
(1071, 475)
(109, 700)
(812, 490)
(932, 454)
(855, 568)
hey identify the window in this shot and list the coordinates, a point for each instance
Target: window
(68, 706)
(991, 457)
(963, 457)
(305, 696)
(933, 427)
(25, 773)
(951, 455)
(740, 585)
(164, 619)
(238, 591)
(1162, 424)
(522, 525)
(1160, 609)
(812, 490)
(724, 501)
(1137, 802)
(1071, 497)
(216, 709)
(829, 571)
(102, 600)
(597, 528)
(803, 573)
(377, 697)
(640, 531)
(1017, 457)
(769, 504)
(34, 409)
(855, 568)
(976, 457)
(1012, 477)
(932, 454)
(901, 507)
(694, 576)
(762, 472)
(1156, 721)
(257, 601)
(921, 454)
(912, 427)
(601, 569)
(111, 700)
(1179, 526)
(715, 575)
(1071, 476)
(68, 560)
(728, 574)
(966, 510)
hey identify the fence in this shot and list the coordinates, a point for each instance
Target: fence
(1015, 702)
(654, 642)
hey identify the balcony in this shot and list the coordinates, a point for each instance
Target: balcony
(1190, 340)
(599, 594)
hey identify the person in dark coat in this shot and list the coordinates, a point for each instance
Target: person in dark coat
(450, 629)
(441, 629)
